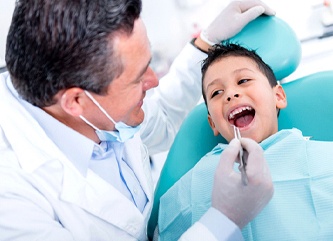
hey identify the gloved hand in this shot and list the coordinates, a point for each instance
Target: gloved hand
(233, 19)
(230, 196)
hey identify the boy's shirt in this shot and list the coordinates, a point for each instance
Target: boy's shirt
(302, 205)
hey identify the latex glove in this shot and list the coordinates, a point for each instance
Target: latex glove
(238, 202)
(233, 19)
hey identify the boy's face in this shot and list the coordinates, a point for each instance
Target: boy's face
(239, 94)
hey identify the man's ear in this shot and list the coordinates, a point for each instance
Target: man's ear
(71, 101)
(212, 125)
(281, 97)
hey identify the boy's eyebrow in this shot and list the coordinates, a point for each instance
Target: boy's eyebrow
(235, 71)
(243, 69)
(212, 83)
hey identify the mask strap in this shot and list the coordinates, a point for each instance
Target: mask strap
(89, 123)
(99, 106)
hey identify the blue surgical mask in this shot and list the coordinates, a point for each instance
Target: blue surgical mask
(123, 132)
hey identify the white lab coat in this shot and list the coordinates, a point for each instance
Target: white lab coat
(44, 197)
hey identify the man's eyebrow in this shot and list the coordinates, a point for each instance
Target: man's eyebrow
(144, 69)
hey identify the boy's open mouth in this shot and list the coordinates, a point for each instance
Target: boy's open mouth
(241, 116)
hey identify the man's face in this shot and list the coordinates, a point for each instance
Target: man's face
(125, 94)
(239, 94)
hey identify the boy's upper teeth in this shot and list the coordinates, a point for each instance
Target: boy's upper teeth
(238, 110)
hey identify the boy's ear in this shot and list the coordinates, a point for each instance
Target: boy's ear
(281, 97)
(212, 125)
(71, 101)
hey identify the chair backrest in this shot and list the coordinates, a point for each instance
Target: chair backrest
(310, 106)
(267, 35)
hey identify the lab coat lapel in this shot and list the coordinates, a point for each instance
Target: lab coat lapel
(101, 199)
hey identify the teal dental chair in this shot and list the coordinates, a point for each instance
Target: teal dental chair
(310, 103)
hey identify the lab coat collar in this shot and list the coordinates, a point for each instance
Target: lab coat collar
(27, 138)
(63, 136)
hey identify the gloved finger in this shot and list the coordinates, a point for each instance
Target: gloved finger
(229, 156)
(255, 153)
(257, 169)
(246, 5)
(252, 13)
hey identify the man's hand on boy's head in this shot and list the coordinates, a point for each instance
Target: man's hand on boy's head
(238, 202)
(233, 19)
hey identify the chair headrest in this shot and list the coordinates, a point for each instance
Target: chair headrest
(275, 42)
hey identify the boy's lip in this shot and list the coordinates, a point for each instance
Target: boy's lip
(236, 110)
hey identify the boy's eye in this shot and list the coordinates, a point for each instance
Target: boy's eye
(216, 93)
(242, 81)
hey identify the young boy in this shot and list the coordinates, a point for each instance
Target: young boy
(240, 90)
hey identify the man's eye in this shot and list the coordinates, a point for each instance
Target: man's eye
(242, 81)
(216, 93)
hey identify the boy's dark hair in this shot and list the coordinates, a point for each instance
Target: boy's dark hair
(226, 49)
(55, 45)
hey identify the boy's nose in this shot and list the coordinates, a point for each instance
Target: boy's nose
(234, 96)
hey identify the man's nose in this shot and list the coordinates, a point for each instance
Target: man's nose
(150, 79)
